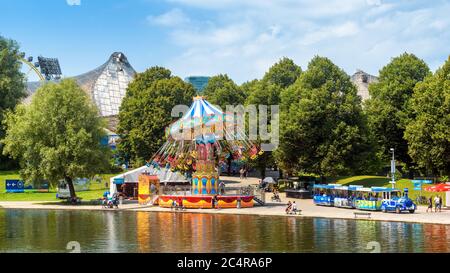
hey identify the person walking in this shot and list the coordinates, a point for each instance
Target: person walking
(241, 172)
(294, 207)
(436, 203)
(288, 208)
(440, 203)
(430, 204)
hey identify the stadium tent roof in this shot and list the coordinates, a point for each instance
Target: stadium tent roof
(106, 85)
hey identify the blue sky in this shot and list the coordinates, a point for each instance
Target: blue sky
(242, 38)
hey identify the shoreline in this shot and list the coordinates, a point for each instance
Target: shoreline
(309, 210)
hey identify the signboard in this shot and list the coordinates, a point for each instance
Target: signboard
(144, 190)
(422, 181)
(14, 186)
(119, 181)
(418, 184)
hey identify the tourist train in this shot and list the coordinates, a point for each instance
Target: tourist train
(361, 198)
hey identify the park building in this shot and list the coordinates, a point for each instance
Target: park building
(362, 80)
(199, 82)
(106, 86)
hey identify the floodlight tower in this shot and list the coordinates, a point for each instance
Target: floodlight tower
(33, 67)
(49, 67)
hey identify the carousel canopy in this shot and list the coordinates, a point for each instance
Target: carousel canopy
(201, 108)
(200, 114)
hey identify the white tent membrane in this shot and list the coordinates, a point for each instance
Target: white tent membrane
(164, 175)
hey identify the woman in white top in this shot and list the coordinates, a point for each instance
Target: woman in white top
(436, 203)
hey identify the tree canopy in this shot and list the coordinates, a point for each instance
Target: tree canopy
(267, 91)
(12, 83)
(323, 130)
(223, 91)
(146, 112)
(428, 132)
(58, 136)
(284, 73)
(388, 110)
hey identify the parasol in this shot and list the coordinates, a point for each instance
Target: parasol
(269, 180)
(438, 188)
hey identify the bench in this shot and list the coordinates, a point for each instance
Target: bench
(366, 214)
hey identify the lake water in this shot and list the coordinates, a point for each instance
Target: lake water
(51, 231)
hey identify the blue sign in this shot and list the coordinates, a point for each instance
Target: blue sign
(418, 184)
(119, 181)
(14, 186)
(422, 181)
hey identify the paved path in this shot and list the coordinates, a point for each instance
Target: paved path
(271, 209)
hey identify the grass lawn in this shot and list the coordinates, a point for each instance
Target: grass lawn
(96, 190)
(380, 181)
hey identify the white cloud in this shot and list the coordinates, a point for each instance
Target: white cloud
(244, 38)
(175, 17)
(374, 2)
(73, 2)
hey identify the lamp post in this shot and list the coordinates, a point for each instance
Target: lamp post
(393, 167)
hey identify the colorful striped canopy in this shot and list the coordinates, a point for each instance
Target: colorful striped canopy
(200, 113)
(201, 108)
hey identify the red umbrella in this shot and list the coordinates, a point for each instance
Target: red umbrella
(438, 188)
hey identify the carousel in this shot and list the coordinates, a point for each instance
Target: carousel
(197, 144)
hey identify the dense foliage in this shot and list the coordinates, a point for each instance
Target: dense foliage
(267, 91)
(12, 85)
(428, 132)
(58, 136)
(323, 130)
(146, 112)
(388, 110)
(223, 91)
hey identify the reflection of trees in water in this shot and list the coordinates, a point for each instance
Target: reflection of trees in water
(48, 231)
(22, 231)
(437, 238)
(362, 233)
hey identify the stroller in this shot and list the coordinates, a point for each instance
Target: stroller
(111, 202)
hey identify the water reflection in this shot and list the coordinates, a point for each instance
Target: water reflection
(50, 231)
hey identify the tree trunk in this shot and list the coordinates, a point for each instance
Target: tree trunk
(69, 182)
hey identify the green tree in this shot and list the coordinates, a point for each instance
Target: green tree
(324, 129)
(146, 112)
(387, 109)
(267, 92)
(58, 136)
(428, 132)
(12, 84)
(284, 73)
(222, 91)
